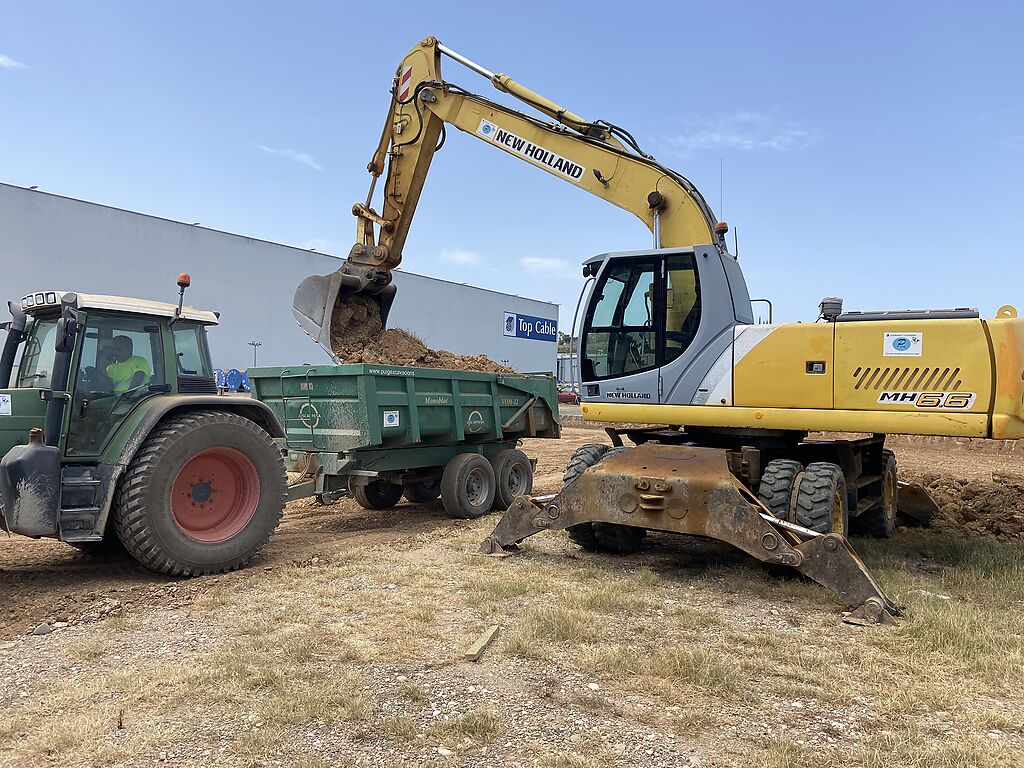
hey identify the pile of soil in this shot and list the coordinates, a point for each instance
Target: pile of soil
(990, 507)
(359, 336)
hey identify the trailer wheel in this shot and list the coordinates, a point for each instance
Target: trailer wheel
(822, 503)
(468, 486)
(600, 537)
(776, 488)
(202, 495)
(513, 473)
(423, 492)
(377, 494)
(880, 520)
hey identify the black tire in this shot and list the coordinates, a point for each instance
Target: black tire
(600, 537)
(880, 520)
(822, 503)
(468, 486)
(775, 490)
(377, 494)
(143, 516)
(513, 474)
(423, 492)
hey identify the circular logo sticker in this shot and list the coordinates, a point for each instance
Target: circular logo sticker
(309, 415)
(475, 423)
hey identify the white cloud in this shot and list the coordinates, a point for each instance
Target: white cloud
(291, 154)
(459, 256)
(8, 63)
(541, 266)
(1015, 143)
(744, 131)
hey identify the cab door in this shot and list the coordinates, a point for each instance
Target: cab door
(621, 346)
(99, 405)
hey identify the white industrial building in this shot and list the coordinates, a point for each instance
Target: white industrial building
(49, 242)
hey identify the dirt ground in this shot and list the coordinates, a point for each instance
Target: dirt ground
(342, 643)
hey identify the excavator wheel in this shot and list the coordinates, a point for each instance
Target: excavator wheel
(822, 503)
(600, 537)
(776, 488)
(880, 520)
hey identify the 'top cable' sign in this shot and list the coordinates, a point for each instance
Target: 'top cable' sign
(529, 327)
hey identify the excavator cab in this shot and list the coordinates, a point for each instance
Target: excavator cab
(656, 321)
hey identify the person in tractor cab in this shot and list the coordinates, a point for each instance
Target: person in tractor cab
(128, 371)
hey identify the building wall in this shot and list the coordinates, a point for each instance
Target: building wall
(58, 243)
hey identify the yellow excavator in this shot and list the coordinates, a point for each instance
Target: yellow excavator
(718, 407)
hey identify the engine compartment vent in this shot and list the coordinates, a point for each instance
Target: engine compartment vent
(907, 379)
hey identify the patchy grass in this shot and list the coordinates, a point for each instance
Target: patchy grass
(666, 670)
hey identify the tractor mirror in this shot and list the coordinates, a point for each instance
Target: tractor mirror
(67, 329)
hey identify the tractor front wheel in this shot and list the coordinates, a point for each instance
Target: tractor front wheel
(202, 495)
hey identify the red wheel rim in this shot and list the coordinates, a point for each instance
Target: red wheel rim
(215, 495)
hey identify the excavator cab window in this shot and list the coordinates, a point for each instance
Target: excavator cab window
(643, 314)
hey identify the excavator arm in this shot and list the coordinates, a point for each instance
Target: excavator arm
(597, 157)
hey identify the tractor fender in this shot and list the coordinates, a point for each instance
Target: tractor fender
(160, 408)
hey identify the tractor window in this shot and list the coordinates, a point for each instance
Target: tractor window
(621, 335)
(119, 363)
(682, 304)
(190, 350)
(37, 355)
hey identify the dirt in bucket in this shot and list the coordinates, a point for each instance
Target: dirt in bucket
(359, 336)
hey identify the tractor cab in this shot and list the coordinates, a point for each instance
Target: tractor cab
(88, 365)
(116, 352)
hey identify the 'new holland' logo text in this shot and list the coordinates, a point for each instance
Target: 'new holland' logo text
(532, 152)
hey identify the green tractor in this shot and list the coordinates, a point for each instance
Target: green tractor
(112, 431)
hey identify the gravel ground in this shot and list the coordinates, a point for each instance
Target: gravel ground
(342, 645)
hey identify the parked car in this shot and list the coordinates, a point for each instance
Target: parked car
(568, 395)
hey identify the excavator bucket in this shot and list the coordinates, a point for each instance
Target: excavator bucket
(327, 306)
(686, 489)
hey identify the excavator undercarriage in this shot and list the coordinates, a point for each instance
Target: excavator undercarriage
(690, 489)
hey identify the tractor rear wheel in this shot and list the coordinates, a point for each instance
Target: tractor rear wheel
(513, 473)
(822, 503)
(202, 495)
(776, 488)
(600, 537)
(377, 494)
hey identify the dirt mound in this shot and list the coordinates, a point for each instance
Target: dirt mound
(992, 507)
(359, 336)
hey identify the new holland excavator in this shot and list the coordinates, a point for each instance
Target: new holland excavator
(718, 407)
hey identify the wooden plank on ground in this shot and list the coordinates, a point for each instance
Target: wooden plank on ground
(476, 650)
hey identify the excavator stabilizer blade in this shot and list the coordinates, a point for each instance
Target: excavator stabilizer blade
(915, 505)
(687, 489)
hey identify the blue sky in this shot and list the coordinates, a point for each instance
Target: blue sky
(872, 150)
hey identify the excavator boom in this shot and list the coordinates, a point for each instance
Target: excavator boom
(597, 157)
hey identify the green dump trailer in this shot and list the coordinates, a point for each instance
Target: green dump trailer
(379, 433)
